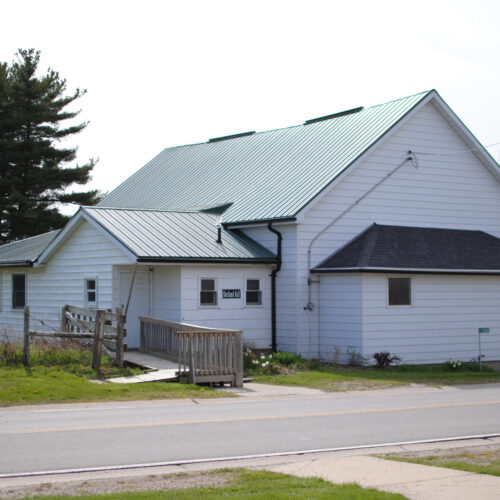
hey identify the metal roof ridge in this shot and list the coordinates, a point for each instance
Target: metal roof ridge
(170, 210)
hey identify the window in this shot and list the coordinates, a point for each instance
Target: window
(254, 294)
(399, 291)
(18, 291)
(90, 291)
(208, 292)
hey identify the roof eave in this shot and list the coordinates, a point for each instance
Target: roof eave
(403, 270)
(17, 263)
(203, 260)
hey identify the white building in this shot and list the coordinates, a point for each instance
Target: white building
(210, 227)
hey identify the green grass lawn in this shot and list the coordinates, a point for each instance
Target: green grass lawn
(351, 378)
(62, 374)
(52, 384)
(258, 485)
(478, 461)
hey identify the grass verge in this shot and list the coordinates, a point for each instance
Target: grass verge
(51, 384)
(480, 461)
(63, 373)
(245, 484)
(317, 375)
(344, 379)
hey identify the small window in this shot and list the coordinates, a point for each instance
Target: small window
(254, 294)
(208, 292)
(399, 291)
(90, 291)
(18, 291)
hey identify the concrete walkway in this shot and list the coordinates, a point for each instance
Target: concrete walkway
(417, 482)
(158, 369)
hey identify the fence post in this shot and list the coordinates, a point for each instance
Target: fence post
(98, 338)
(26, 351)
(192, 368)
(238, 359)
(63, 319)
(119, 337)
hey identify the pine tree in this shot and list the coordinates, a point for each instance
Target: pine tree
(33, 172)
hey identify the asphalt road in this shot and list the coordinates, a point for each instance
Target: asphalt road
(41, 438)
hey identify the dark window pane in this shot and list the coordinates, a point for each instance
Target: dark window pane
(90, 284)
(90, 296)
(18, 290)
(208, 285)
(253, 284)
(208, 298)
(254, 298)
(399, 292)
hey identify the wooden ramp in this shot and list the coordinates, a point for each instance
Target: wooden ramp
(159, 370)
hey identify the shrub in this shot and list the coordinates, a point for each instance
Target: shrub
(454, 364)
(355, 358)
(288, 359)
(385, 359)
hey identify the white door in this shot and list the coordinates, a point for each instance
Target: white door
(139, 303)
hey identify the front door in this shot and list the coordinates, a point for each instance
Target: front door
(139, 303)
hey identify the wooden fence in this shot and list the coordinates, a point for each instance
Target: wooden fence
(204, 354)
(84, 323)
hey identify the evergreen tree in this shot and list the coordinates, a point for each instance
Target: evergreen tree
(33, 176)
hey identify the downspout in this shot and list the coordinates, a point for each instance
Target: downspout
(275, 271)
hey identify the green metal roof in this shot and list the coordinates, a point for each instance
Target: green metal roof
(154, 235)
(266, 175)
(25, 252)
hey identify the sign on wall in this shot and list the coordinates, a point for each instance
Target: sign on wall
(231, 294)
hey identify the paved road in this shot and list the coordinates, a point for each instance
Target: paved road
(106, 434)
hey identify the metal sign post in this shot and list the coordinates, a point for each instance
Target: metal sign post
(479, 332)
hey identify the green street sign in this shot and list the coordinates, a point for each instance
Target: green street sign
(483, 330)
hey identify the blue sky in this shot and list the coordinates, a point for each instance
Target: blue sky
(165, 73)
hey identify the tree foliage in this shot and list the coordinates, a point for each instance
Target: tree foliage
(34, 171)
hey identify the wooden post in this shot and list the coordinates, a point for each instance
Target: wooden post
(63, 319)
(238, 359)
(26, 351)
(119, 337)
(98, 337)
(192, 368)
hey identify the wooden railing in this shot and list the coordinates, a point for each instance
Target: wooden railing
(204, 354)
(84, 321)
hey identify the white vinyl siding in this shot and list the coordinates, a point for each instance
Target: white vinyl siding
(447, 191)
(340, 312)
(442, 323)
(86, 253)
(286, 281)
(229, 313)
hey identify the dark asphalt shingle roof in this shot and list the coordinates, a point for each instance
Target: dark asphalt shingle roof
(382, 248)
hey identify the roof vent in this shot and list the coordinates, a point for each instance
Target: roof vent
(335, 115)
(234, 136)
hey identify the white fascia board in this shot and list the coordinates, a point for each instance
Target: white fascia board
(466, 135)
(68, 230)
(371, 149)
(109, 236)
(54, 245)
(329, 270)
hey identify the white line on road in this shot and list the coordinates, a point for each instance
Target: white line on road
(241, 457)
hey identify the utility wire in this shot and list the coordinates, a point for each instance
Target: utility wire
(458, 152)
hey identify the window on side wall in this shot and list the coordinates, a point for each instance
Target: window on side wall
(18, 291)
(399, 291)
(90, 292)
(253, 293)
(208, 292)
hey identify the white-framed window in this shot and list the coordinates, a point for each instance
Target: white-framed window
(399, 291)
(90, 297)
(18, 291)
(253, 295)
(208, 292)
